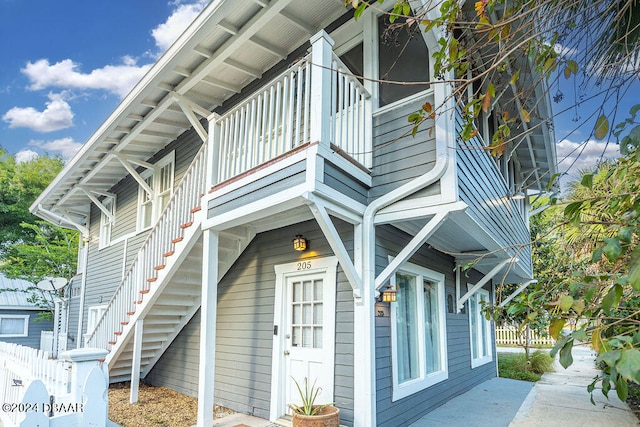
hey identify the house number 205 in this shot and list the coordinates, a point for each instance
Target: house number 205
(306, 265)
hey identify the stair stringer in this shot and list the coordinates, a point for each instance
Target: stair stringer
(190, 237)
(223, 267)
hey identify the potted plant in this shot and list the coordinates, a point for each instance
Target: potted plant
(310, 414)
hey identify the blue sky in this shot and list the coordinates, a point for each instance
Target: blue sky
(67, 64)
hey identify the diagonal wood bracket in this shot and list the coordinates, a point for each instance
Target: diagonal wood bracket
(190, 109)
(128, 163)
(484, 280)
(418, 240)
(337, 245)
(93, 196)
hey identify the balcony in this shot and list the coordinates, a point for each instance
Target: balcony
(316, 100)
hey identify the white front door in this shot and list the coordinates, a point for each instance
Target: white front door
(304, 332)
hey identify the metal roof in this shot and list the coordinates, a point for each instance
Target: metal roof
(14, 294)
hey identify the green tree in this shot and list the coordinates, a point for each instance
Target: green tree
(32, 249)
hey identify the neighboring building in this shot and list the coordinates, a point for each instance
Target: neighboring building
(20, 320)
(243, 137)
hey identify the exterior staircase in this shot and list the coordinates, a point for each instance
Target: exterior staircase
(161, 289)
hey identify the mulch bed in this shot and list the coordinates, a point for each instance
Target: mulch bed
(156, 406)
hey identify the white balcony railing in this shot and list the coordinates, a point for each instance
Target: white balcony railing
(280, 116)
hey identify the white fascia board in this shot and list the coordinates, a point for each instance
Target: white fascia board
(276, 203)
(219, 8)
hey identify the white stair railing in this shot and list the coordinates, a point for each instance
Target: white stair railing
(151, 257)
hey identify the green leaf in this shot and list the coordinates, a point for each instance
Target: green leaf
(628, 365)
(609, 357)
(565, 302)
(578, 306)
(622, 389)
(606, 387)
(611, 298)
(406, 9)
(573, 66)
(566, 359)
(567, 72)
(587, 180)
(602, 127)
(514, 77)
(555, 327)
(612, 249)
(359, 10)
(634, 269)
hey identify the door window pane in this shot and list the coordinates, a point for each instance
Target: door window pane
(307, 315)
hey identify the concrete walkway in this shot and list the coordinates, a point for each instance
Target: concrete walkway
(560, 398)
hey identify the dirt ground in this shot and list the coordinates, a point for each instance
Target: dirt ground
(157, 406)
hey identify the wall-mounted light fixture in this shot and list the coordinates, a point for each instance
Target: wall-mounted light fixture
(299, 243)
(388, 295)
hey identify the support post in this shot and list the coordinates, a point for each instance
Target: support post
(213, 151)
(321, 51)
(208, 327)
(82, 361)
(135, 362)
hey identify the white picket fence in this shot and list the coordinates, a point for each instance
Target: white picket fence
(510, 336)
(38, 391)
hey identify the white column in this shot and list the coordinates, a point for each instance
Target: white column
(135, 362)
(208, 327)
(321, 51)
(364, 350)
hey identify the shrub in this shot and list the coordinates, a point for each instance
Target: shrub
(515, 366)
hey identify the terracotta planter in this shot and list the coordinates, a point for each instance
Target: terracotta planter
(327, 417)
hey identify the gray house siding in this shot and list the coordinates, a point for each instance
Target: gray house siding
(461, 377)
(105, 267)
(285, 178)
(397, 156)
(479, 182)
(33, 335)
(246, 297)
(338, 179)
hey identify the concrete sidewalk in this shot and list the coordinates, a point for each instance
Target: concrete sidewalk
(560, 398)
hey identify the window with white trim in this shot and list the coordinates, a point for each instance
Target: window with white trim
(14, 325)
(106, 223)
(418, 330)
(480, 328)
(160, 180)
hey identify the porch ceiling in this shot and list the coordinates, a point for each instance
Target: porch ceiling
(460, 237)
(229, 45)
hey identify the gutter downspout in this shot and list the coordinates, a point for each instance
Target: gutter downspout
(364, 342)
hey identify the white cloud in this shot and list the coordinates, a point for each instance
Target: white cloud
(57, 115)
(66, 74)
(25, 155)
(67, 147)
(575, 157)
(166, 33)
